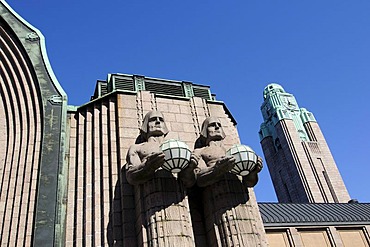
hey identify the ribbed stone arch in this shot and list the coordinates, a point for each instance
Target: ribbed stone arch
(32, 134)
(21, 133)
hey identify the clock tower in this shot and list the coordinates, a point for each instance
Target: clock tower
(300, 163)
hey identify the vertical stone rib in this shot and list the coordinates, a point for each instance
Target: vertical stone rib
(116, 211)
(106, 193)
(98, 236)
(80, 181)
(72, 178)
(89, 216)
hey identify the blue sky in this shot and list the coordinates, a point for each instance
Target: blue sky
(317, 50)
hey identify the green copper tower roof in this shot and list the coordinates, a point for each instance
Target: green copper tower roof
(279, 105)
(272, 88)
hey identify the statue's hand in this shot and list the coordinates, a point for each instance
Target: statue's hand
(194, 160)
(259, 165)
(252, 178)
(154, 160)
(225, 164)
(215, 171)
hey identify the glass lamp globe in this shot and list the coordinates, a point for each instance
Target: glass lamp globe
(245, 159)
(177, 155)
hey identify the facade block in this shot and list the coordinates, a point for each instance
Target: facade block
(160, 212)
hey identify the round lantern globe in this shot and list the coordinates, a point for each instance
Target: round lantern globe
(177, 155)
(245, 159)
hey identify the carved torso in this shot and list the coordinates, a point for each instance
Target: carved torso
(146, 148)
(210, 154)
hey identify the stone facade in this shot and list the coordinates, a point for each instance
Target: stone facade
(103, 208)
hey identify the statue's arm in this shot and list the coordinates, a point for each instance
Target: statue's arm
(252, 178)
(140, 171)
(213, 173)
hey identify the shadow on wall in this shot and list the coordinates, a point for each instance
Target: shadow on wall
(127, 217)
(122, 214)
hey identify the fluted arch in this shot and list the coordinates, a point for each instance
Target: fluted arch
(20, 142)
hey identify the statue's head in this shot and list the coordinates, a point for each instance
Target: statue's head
(153, 125)
(212, 130)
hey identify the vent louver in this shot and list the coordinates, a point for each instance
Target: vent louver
(136, 83)
(167, 89)
(103, 88)
(201, 92)
(124, 84)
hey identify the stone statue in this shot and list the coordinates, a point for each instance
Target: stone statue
(208, 163)
(229, 215)
(212, 161)
(145, 158)
(162, 210)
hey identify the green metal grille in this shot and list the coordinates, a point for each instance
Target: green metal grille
(166, 89)
(201, 92)
(123, 84)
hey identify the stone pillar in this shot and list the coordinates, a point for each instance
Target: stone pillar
(230, 219)
(162, 212)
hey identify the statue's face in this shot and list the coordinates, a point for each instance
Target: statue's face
(156, 125)
(214, 129)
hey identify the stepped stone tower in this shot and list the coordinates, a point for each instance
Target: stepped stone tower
(301, 165)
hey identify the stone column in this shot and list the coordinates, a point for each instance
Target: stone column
(162, 212)
(230, 219)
